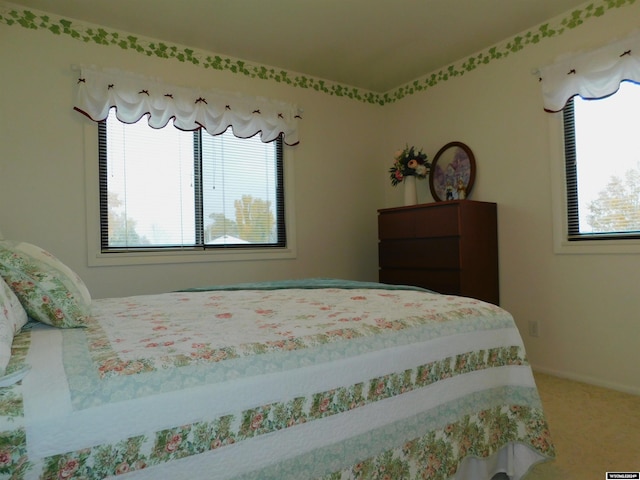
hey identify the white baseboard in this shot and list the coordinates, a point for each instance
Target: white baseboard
(587, 379)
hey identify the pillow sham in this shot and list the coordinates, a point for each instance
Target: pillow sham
(49, 291)
(12, 319)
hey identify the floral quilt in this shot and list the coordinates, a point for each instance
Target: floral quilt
(328, 383)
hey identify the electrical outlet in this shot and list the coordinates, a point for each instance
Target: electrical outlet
(534, 328)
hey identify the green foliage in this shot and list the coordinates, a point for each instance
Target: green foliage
(254, 219)
(221, 226)
(617, 208)
(121, 229)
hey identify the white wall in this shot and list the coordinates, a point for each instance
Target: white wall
(587, 305)
(42, 169)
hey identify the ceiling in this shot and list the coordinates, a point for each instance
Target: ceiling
(375, 45)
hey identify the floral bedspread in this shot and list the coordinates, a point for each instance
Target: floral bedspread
(308, 383)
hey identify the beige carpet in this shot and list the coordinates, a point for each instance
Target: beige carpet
(595, 430)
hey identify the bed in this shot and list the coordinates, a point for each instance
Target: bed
(305, 379)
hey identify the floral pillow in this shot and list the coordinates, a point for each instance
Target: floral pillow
(49, 291)
(12, 319)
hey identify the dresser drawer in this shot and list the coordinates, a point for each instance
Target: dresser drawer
(399, 224)
(442, 221)
(440, 281)
(439, 221)
(420, 253)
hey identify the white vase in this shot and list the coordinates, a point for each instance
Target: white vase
(410, 191)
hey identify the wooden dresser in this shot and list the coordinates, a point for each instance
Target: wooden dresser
(449, 247)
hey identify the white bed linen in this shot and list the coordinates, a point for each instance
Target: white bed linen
(334, 340)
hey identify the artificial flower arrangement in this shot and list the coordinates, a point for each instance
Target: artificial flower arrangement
(408, 163)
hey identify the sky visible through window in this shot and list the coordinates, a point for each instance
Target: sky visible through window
(607, 143)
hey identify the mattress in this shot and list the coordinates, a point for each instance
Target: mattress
(293, 380)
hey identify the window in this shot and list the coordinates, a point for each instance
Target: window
(166, 189)
(602, 155)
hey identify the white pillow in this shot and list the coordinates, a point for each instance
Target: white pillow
(12, 319)
(49, 291)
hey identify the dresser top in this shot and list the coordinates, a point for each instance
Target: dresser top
(435, 205)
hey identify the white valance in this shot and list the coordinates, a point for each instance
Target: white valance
(135, 96)
(591, 75)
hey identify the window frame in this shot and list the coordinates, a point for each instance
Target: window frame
(563, 213)
(185, 254)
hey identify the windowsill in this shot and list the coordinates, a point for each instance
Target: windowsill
(157, 257)
(608, 247)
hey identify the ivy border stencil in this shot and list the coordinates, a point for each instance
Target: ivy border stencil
(155, 48)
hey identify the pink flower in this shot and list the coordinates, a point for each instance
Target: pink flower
(256, 421)
(122, 468)
(68, 469)
(324, 405)
(174, 443)
(5, 457)
(383, 323)
(219, 355)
